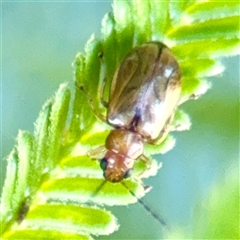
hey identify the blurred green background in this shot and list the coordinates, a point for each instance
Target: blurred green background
(39, 43)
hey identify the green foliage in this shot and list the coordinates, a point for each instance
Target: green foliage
(221, 220)
(50, 181)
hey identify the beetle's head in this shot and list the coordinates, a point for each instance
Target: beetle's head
(116, 167)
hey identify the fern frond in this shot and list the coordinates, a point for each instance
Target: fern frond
(51, 185)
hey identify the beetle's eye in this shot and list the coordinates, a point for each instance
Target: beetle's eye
(128, 173)
(103, 164)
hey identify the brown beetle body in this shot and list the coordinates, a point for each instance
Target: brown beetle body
(144, 94)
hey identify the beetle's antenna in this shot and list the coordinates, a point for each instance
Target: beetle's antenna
(98, 189)
(159, 218)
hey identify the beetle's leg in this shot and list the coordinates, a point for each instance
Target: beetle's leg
(146, 161)
(104, 81)
(90, 102)
(97, 153)
(102, 90)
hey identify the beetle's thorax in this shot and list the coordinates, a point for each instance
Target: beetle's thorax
(125, 142)
(123, 148)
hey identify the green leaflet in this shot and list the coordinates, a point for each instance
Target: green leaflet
(46, 234)
(74, 218)
(49, 177)
(204, 10)
(213, 29)
(80, 189)
(8, 201)
(206, 48)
